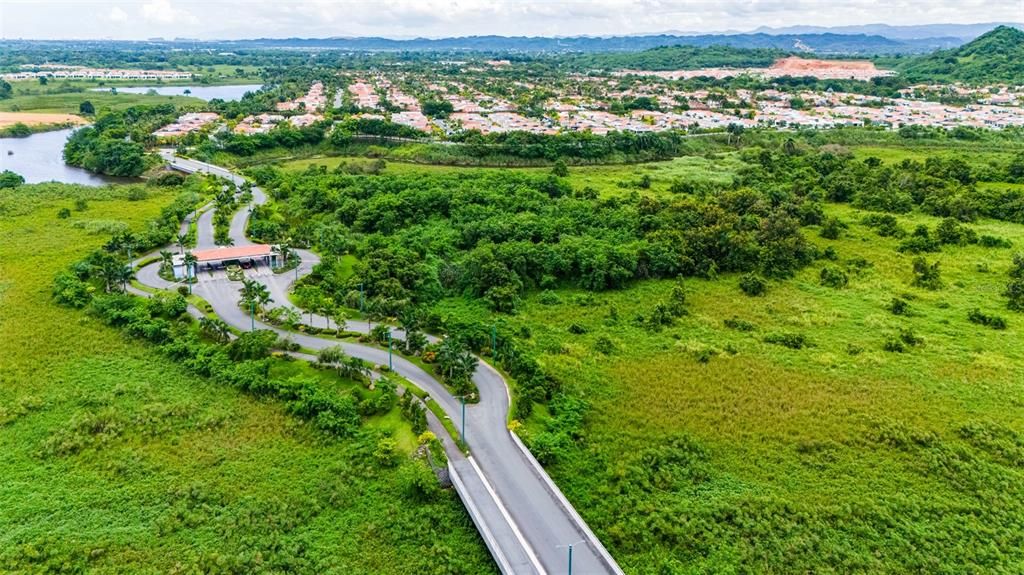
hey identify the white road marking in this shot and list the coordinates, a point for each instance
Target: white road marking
(508, 518)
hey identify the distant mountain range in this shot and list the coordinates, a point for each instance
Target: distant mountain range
(866, 40)
(821, 43)
(963, 32)
(873, 39)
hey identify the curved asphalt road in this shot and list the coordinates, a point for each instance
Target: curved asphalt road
(523, 517)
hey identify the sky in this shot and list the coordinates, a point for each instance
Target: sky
(233, 19)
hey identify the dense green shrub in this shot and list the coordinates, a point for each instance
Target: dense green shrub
(832, 228)
(987, 241)
(833, 277)
(950, 231)
(885, 225)
(920, 241)
(753, 284)
(926, 275)
(992, 321)
(577, 329)
(899, 306)
(786, 339)
(604, 344)
(9, 179)
(738, 324)
(1015, 288)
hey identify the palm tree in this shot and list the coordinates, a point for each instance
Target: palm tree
(123, 275)
(254, 294)
(263, 297)
(449, 358)
(284, 250)
(166, 260)
(456, 363)
(216, 328)
(353, 368)
(182, 238)
(248, 291)
(110, 270)
(190, 261)
(410, 318)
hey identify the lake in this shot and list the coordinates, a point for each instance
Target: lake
(40, 158)
(201, 92)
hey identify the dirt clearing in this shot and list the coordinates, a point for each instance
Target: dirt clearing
(36, 119)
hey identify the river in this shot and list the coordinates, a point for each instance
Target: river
(40, 158)
(202, 92)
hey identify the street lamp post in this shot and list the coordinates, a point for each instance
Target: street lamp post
(570, 552)
(390, 367)
(463, 399)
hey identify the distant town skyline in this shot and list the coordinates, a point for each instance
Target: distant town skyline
(238, 19)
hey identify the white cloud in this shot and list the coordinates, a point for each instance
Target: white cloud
(117, 15)
(163, 12)
(437, 18)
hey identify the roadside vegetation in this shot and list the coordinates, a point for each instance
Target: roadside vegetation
(833, 381)
(121, 459)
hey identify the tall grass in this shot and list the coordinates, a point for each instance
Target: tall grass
(116, 460)
(706, 449)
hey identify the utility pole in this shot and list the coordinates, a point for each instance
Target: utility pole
(360, 298)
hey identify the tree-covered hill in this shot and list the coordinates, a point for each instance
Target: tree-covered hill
(997, 56)
(681, 57)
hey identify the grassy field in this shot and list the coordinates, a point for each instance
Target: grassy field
(116, 460)
(67, 103)
(707, 449)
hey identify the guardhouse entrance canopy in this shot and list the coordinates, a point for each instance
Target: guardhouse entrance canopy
(232, 253)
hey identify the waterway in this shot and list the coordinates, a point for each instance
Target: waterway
(226, 93)
(40, 158)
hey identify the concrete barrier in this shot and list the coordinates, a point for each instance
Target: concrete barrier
(591, 538)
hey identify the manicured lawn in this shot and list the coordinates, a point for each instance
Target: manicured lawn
(67, 103)
(117, 460)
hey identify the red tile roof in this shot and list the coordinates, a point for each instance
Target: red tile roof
(233, 252)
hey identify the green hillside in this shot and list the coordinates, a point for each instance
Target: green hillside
(682, 57)
(995, 57)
